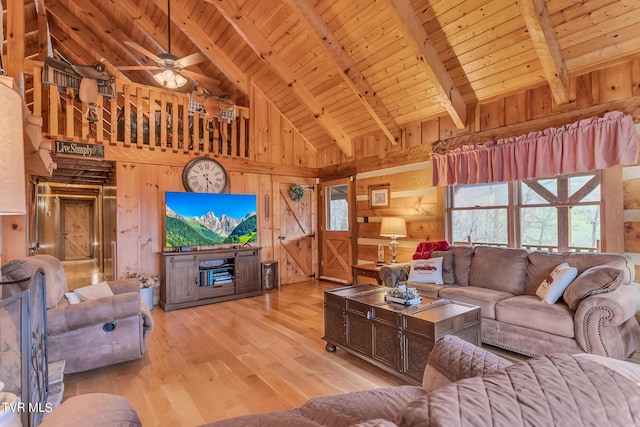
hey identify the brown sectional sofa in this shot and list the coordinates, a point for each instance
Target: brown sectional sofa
(464, 385)
(503, 282)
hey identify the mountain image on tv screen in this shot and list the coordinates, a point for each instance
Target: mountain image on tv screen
(198, 219)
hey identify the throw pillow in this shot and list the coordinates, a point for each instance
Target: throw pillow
(100, 290)
(448, 275)
(595, 280)
(426, 271)
(553, 286)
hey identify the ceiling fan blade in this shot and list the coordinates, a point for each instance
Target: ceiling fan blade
(189, 60)
(142, 50)
(200, 77)
(138, 67)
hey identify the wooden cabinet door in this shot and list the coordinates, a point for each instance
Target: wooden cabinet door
(181, 279)
(247, 272)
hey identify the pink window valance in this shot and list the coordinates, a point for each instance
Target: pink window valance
(586, 145)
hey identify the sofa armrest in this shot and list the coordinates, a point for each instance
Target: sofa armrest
(613, 310)
(454, 359)
(389, 273)
(124, 285)
(101, 310)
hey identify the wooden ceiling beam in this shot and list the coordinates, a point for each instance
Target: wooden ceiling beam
(543, 35)
(74, 26)
(202, 41)
(62, 20)
(44, 38)
(158, 39)
(252, 36)
(415, 34)
(358, 84)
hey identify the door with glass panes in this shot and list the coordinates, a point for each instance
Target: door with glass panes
(337, 229)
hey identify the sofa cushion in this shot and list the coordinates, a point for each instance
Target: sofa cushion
(351, 408)
(541, 264)
(429, 289)
(554, 390)
(486, 299)
(595, 280)
(551, 288)
(426, 271)
(462, 256)
(584, 261)
(529, 312)
(448, 275)
(500, 269)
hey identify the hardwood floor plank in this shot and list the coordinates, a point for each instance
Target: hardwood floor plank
(234, 358)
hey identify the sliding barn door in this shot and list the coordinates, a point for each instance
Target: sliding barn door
(77, 226)
(295, 233)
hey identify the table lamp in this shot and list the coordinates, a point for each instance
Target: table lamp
(12, 174)
(394, 228)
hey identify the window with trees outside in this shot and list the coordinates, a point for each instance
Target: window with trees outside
(554, 214)
(337, 208)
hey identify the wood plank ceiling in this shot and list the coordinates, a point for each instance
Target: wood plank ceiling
(343, 69)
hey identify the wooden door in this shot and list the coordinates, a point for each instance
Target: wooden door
(295, 233)
(337, 229)
(77, 230)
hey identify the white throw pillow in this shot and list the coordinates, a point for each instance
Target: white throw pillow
(426, 271)
(100, 290)
(553, 286)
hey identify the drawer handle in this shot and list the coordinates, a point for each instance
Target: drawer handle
(369, 316)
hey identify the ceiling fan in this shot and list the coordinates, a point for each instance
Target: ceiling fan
(171, 69)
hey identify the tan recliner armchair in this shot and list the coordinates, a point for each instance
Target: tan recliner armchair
(93, 333)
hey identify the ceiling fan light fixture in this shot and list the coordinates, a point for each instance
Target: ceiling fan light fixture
(169, 79)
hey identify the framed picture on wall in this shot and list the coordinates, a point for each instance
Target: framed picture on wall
(379, 196)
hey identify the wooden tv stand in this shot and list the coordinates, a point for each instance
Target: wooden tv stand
(204, 277)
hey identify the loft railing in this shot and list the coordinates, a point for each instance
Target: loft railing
(138, 116)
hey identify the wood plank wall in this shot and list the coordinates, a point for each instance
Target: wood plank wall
(631, 192)
(379, 161)
(140, 212)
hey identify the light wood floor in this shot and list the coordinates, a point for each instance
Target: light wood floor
(233, 358)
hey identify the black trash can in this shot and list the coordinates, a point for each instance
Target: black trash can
(269, 275)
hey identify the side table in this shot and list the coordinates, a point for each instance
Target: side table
(368, 270)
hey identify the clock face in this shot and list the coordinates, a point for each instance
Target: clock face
(204, 175)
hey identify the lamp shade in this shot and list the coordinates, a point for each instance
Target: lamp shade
(391, 227)
(12, 174)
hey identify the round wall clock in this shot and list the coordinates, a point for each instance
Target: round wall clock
(204, 175)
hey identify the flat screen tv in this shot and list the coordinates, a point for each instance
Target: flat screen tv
(201, 219)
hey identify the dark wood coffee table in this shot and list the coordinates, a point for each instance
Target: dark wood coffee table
(395, 337)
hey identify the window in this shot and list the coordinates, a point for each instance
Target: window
(337, 208)
(556, 214)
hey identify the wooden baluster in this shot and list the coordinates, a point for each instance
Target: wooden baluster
(84, 122)
(113, 125)
(127, 115)
(37, 91)
(175, 123)
(152, 119)
(233, 136)
(186, 134)
(196, 133)
(100, 123)
(216, 136)
(69, 110)
(139, 117)
(163, 120)
(242, 136)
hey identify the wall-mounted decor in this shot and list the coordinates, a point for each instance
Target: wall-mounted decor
(379, 196)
